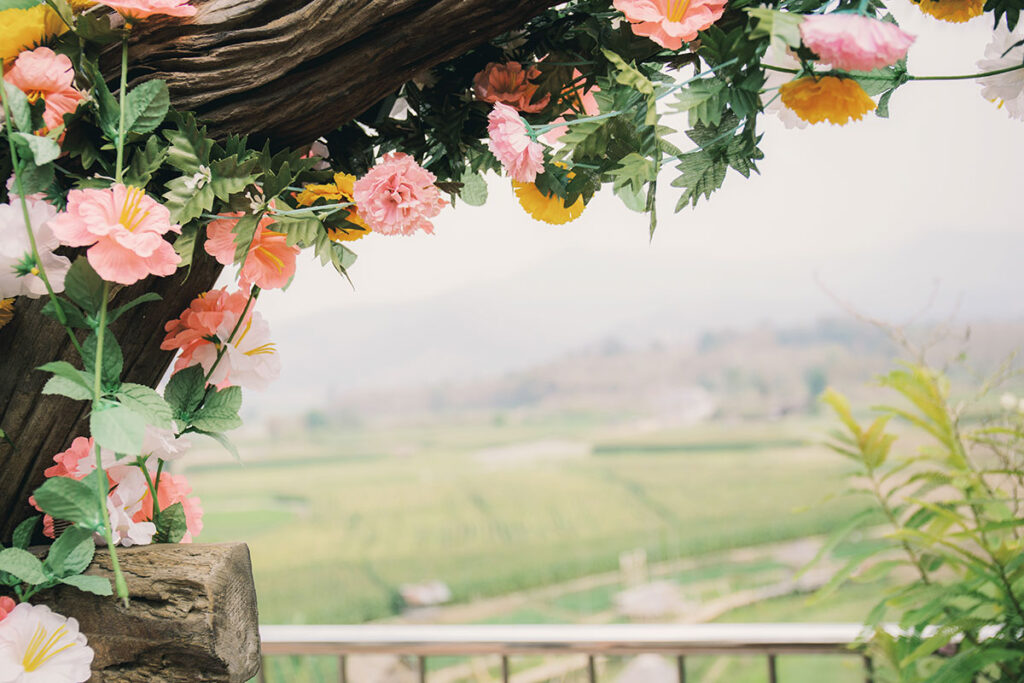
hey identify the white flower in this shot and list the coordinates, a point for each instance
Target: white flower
(1006, 90)
(40, 646)
(1008, 401)
(122, 503)
(774, 79)
(250, 361)
(163, 444)
(15, 249)
(199, 179)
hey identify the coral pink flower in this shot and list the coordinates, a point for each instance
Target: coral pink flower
(670, 22)
(200, 322)
(270, 262)
(250, 360)
(125, 228)
(521, 156)
(583, 103)
(398, 196)
(44, 75)
(509, 84)
(174, 489)
(7, 606)
(133, 10)
(855, 43)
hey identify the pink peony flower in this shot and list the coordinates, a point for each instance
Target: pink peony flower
(7, 606)
(521, 156)
(199, 323)
(509, 84)
(670, 22)
(125, 229)
(398, 196)
(174, 489)
(44, 75)
(270, 262)
(133, 10)
(855, 43)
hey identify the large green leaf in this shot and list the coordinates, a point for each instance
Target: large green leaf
(118, 428)
(146, 106)
(70, 500)
(23, 565)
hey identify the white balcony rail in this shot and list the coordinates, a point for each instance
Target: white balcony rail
(676, 640)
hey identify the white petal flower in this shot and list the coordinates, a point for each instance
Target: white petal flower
(15, 248)
(250, 361)
(774, 79)
(163, 444)
(38, 645)
(1006, 90)
(122, 503)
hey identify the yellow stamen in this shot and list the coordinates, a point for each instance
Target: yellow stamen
(265, 350)
(34, 96)
(248, 326)
(41, 648)
(275, 260)
(677, 9)
(131, 214)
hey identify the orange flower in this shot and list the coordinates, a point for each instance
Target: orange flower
(837, 100)
(341, 190)
(954, 11)
(509, 84)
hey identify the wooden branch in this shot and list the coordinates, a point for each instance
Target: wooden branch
(192, 617)
(291, 71)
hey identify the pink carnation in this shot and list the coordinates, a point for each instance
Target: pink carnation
(521, 156)
(510, 84)
(134, 10)
(398, 196)
(43, 74)
(270, 262)
(670, 22)
(7, 606)
(174, 489)
(855, 43)
(124, 228)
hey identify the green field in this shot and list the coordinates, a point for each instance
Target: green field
(337, 520)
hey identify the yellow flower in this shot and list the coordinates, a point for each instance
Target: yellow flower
(955, 11)
(80, 5)
(549, 208)
(24, 29)
(6, 311)
(826, 99)
(341, 190)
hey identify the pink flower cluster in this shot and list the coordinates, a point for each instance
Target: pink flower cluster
(855, 43)
(510, 84)
(670, 22)
(520, 155)
(270, 261)
(202, 333)
(133, 10)
(7, 606)
(44, 75)
(398, 196)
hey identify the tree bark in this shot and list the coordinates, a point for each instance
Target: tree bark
(192, 617)
(287, 70)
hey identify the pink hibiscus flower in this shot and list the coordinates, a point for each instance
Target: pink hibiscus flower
(398, 196)
(133, 10)
(510, 84)
(855, 43)
(174, 489)
(44, 75)
(521, 156)
(7, 606)
(270, 262)
(670, 22)
(199, 322)
(124, 229)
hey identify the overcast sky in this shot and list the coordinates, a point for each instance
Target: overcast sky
(879, 210)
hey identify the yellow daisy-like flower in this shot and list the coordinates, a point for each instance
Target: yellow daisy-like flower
(24, 29)
(548, 208)
(341, 190)
(6, 311)
(955, 11)
(829, 98)
(80, 5)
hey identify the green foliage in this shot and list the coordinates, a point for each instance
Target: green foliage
(952, 524)
(70, 500)
(172, 525)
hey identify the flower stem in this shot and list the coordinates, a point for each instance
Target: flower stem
(16, 164)
(910, 77)
(101, 488)
(238, 325)
(119, 169)
(152, 487)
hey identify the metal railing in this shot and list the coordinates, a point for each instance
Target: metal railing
(675, 640)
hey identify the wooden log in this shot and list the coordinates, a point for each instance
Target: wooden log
(192, 616)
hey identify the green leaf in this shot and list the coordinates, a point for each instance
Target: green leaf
(628, 75)
(97, 585)
(17, 4)
(185, 244)
(147, 403)
(109, 113)
(245, 231)
(83, 286)
(474, 189)
(220, 411)
(118, 428)
(95, 27)
(186, 201)
(113, 359)
(145, 162)
(230, 176)
(782, 28)
(70, 500)
(963, 666)
(143, 299)
(23, 565)
(300, 229)
(72, 553)
(185, 389)
(36, 178)
(701, 174)
(41, 150)
(69, 372)
(190, 148)
(21, 111)
(72, 313)
(62, 386)
(224, 441)
(22, 536)
(704, 99)
(173, 525)
(146, 106)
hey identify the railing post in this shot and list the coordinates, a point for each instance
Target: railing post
(681, 664)
(423, 669)
(343, 668)
(773, 676)
(869, 669)
(504, 669)
(591, 669)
